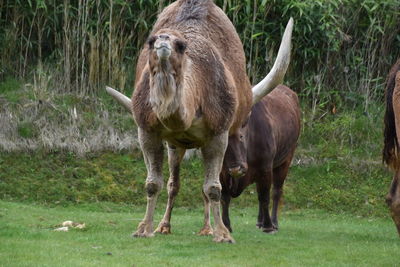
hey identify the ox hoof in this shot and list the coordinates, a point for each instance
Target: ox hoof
(144, 230)
(269, 230)
(259, 225)
(163, 228)
(206, 231)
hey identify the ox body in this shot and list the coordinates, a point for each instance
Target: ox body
(261, 152)
(191, 90)
(391, 150)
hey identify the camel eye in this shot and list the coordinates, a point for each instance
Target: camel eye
(241, 137)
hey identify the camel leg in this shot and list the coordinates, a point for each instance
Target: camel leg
(152, 148)
(213, 154)
(207, 229)
(175, 156)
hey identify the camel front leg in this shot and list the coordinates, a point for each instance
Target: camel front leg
(152, 148)
(175, 156)
(213, 154)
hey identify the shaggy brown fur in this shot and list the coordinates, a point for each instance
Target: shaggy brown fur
(392, 136)
(217, 64)
(191, 89)
(261, 153)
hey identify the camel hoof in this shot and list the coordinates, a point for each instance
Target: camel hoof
(223, 236)
(144, 230)
(163, 228)
(206, 231)
(224, 239)
(142, 234)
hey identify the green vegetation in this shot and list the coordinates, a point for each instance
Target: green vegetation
(342, 49)
(69, 152)
(337, 165)
(302, 241)
(337, 168)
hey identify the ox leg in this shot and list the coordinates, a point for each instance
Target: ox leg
(263, 191)
(175, 156)
(393, 200)
(152, 148)
(207, 229)
(280, 174)
(260, 217)
(225, 201)
(213, 154)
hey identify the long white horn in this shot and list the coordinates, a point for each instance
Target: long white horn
(121, 98)
(277, 73)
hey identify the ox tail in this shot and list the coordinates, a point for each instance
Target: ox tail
(278, 71)
(390, 151)
(121, 98)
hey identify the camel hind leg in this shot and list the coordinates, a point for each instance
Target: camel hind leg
(175, 156)
(207, 228)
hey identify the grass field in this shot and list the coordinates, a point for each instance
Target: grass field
(306, 238)
(334, 211)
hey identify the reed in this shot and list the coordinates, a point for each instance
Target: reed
(342, 49)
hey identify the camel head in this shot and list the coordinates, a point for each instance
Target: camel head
(166, 53)
(166, 62)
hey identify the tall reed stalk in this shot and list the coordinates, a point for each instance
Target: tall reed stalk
(342, 49)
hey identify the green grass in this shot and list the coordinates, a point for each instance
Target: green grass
(12, 90)
(306, 238)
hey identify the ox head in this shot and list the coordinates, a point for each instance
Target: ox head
(235, 159)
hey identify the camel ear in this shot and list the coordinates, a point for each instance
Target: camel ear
(180, 46)
(152, 39)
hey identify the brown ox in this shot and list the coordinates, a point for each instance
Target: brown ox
(261, 152)
(192, 90)
(391, 151)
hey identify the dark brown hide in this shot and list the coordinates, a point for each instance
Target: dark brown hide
(391, 142)
(267, 144)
